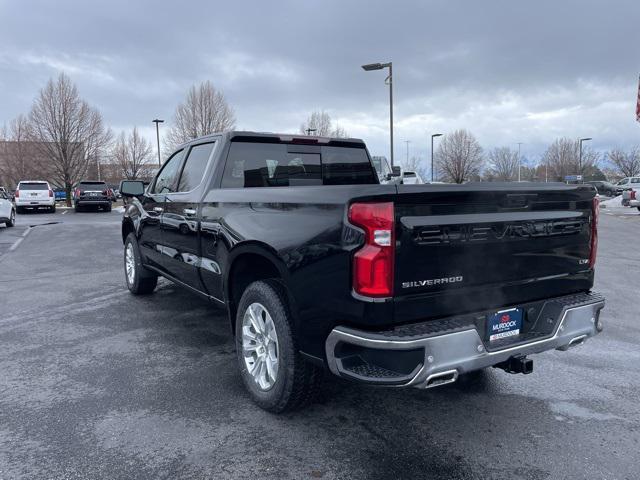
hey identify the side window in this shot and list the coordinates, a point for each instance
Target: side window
(194, 167)
(624, 181)
(635, 180)
(168, 177)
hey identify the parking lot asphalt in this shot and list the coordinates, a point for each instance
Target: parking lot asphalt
(97, 383)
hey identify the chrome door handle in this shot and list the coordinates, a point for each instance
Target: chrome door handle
(158, 209)
(189, 211)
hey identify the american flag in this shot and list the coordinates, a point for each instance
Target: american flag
(638, 104)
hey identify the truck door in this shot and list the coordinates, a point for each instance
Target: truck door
(180, 218)
(153, 201)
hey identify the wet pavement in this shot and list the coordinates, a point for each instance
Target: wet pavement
(97, 383)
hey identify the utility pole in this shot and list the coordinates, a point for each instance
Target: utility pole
(407, 142)
(580, 154)
(157, 122)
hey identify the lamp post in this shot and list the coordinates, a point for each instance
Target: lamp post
(519, 166)
(432, 137)
(157, 122)
(407, 142)
(580, 155)
(389, 81)
(309, 130)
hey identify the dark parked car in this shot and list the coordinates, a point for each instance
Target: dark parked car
(92, 194)
(605, 188)
(321, 267)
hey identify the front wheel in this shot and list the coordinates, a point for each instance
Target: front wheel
(274, 372)
(140, 280)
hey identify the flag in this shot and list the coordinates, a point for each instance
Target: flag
(638, 104)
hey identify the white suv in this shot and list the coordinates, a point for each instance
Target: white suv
(34, 194)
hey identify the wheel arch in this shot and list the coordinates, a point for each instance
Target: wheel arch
(249, 263)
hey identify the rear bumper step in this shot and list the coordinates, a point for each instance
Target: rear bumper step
(434, 353)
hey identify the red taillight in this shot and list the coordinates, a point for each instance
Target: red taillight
(17, 193)
(594, 232)
(50, 193)
(632, 195)
(373, 263)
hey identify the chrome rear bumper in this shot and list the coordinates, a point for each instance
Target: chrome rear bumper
(438, 359)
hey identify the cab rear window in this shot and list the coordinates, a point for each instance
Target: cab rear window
(254, 164)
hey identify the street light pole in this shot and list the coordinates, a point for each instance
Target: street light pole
(389, 81)
(580, 155)
(157, 122)
(432, 137)
(519, 166)
(407, 142)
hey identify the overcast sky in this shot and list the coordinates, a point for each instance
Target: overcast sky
(508, 71)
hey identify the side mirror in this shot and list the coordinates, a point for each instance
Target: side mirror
(396, 171)
(131, 188)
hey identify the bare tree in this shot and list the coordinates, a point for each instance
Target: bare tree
(68, 131)
(319, 123)
(503, 164)
(20, 158)
(459, 157)
(204, 111)
(132, 154)
(626, 164)
(562, 158)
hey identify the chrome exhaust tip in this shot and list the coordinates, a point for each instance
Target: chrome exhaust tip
(442, 378)
(576, 341)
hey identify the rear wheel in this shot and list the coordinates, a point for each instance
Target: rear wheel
(140, 280)
(274, 372)
(76, 207)
(52, 209)
(108, 208)
(20, 210)
(12, 219)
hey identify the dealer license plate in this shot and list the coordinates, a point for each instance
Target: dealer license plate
(503, 324)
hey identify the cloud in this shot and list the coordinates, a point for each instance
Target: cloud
(509, 72)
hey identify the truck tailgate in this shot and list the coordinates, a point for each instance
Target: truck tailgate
(460, 247)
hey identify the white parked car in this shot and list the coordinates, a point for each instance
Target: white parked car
(34, 194)
(7, 211)
(411, 178)
(625, 186)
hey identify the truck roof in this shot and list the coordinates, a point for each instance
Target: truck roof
(280, 137)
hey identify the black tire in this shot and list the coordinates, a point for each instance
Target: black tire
(144, 281)
(638, 208)
(76, 207)
(53, 209)
(20, 210)
(108, 208)
(297, 380)
(12, 219)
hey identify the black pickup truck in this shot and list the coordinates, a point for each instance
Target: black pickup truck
(321, 267)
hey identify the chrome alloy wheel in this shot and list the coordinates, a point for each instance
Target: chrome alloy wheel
(260, 346)
(130, 264)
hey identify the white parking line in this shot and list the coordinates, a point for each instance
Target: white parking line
(65, 212)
